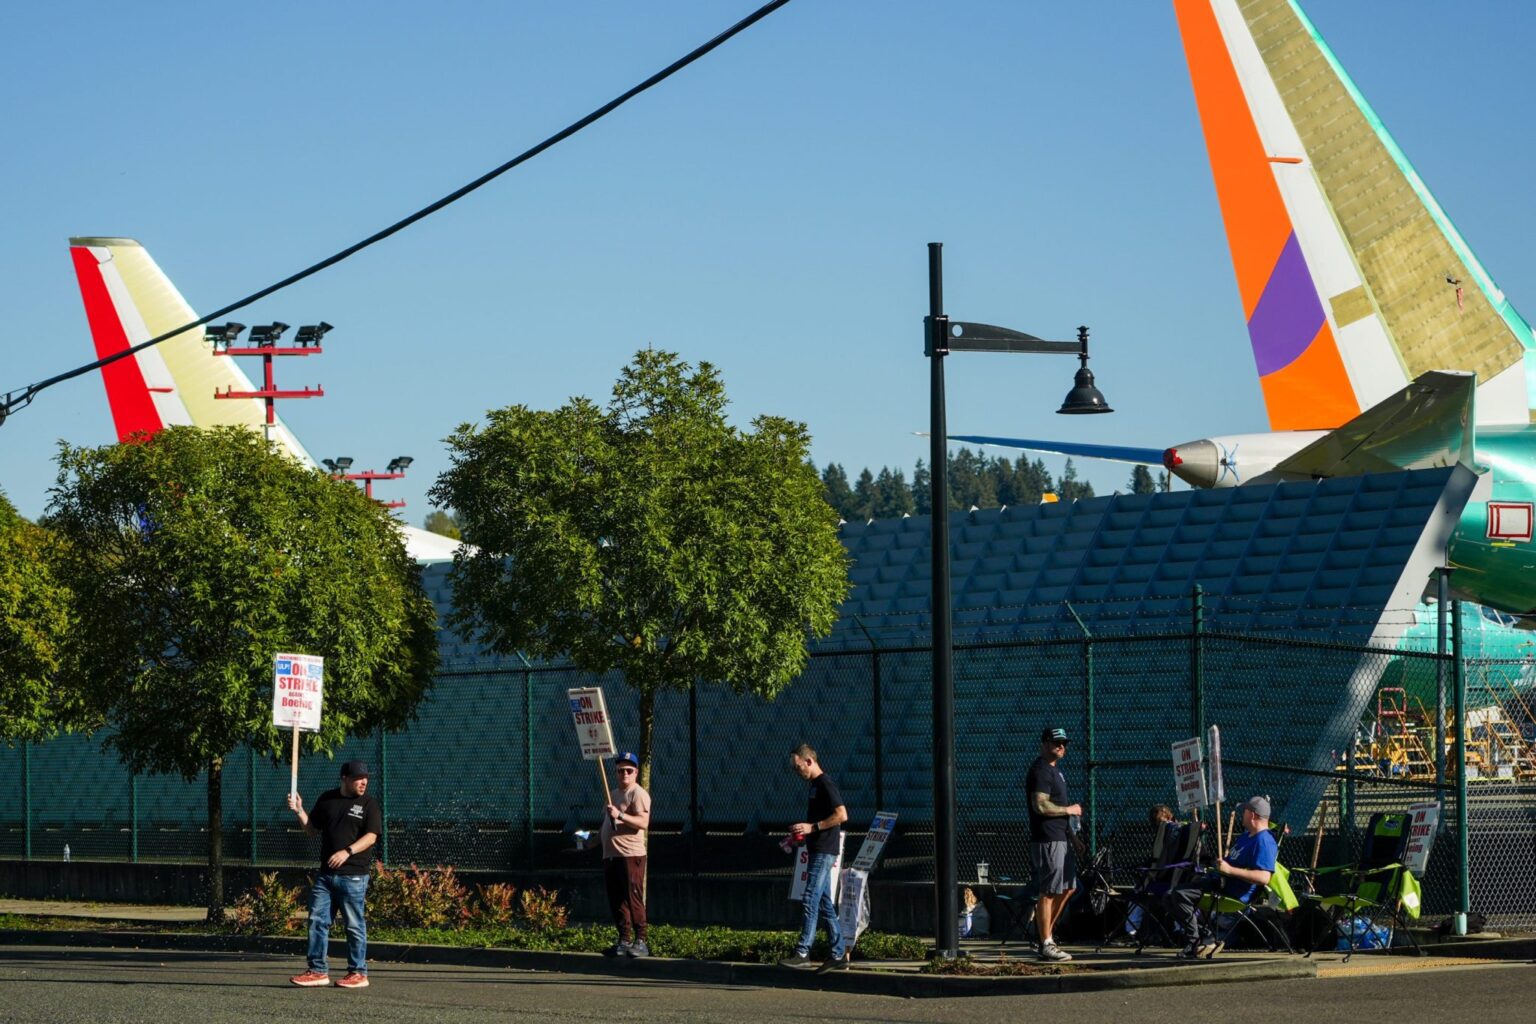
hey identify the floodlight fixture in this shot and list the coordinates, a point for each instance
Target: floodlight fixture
(223, 336)
(400, 464)
(342, 464)
(310, 334)
(267, 334)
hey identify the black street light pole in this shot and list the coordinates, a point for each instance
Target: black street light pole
(940, 337)
(946, 878)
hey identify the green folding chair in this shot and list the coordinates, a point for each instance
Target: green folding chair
(1266, 914)
(1377, 889)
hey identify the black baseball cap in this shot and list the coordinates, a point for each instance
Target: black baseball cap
(1054, 736)
(355, 770)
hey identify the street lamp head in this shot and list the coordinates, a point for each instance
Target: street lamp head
(1084, 398)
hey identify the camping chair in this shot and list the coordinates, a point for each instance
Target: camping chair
(1096, 888)
(1016, 903)
(1175, 857)
(1378, 889)
(1267, 913)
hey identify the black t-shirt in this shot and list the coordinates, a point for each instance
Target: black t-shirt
(824, 798)
(342, 821)
(1046, 778)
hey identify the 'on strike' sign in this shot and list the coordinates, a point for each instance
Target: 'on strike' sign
(593, 729)
(298, 688)
(1188, 774)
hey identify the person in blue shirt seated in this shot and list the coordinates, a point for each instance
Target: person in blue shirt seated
(1247, 866)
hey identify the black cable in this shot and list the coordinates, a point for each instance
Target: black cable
(25, 396)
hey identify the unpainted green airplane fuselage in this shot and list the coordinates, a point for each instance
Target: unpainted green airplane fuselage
(1494, 571)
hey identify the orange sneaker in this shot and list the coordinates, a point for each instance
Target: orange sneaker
(353, 980)
(310, 979)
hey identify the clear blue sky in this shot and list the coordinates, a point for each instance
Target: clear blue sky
(765, 210)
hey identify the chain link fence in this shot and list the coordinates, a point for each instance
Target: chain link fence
(490, 777)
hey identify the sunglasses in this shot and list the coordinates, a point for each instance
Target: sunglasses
(628, 771)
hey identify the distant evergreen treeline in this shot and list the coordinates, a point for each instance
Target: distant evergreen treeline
(974, 479)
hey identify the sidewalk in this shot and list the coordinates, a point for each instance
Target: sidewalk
(1114, 968)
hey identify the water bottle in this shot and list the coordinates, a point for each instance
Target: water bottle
(66, 853)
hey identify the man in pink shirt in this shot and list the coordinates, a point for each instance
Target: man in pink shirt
(623, 836)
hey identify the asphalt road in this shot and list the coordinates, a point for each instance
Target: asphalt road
(44, 985)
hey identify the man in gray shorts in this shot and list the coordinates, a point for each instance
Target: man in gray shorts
(1050, 840)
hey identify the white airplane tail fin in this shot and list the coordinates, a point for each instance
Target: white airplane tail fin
(128, 300)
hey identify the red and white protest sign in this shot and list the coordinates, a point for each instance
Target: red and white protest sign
(853, 901)
(594, 730)
(298, 689)
(1189, 774)
(802, 874)
(1422, 819)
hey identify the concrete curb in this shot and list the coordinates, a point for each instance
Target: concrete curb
(1515, 948)
(861, 980)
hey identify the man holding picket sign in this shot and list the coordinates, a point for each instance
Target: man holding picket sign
(626, 816)
(348, 822)
(346, 819)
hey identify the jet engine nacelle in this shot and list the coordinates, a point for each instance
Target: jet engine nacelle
(1234, 459)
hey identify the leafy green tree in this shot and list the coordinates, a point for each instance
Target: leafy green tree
(195, 556)
(36, 615)
(1141, 481)
(650, 536)
(442, 522)
(837, 492)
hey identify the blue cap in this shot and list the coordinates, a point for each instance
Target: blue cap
(628, 758)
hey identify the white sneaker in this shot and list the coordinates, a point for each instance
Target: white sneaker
(1054, 953)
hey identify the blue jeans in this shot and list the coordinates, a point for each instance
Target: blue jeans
(818, 903)
(349, 891)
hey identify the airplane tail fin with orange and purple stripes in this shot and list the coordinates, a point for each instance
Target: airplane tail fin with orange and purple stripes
(1353, 279)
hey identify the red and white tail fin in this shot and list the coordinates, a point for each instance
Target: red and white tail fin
(128, 300)
(1353, 279)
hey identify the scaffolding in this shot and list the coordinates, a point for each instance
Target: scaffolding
(1500, 735)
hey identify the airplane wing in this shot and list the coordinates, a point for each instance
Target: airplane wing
(1111, 452)
(1426, 424)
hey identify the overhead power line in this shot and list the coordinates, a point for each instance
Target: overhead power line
(21, 398)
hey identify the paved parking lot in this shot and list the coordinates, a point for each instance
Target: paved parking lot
(55, 984)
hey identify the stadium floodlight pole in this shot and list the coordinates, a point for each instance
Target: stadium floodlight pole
(941, 336)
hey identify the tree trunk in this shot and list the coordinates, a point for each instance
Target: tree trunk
(647, 729)
(216, 841)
